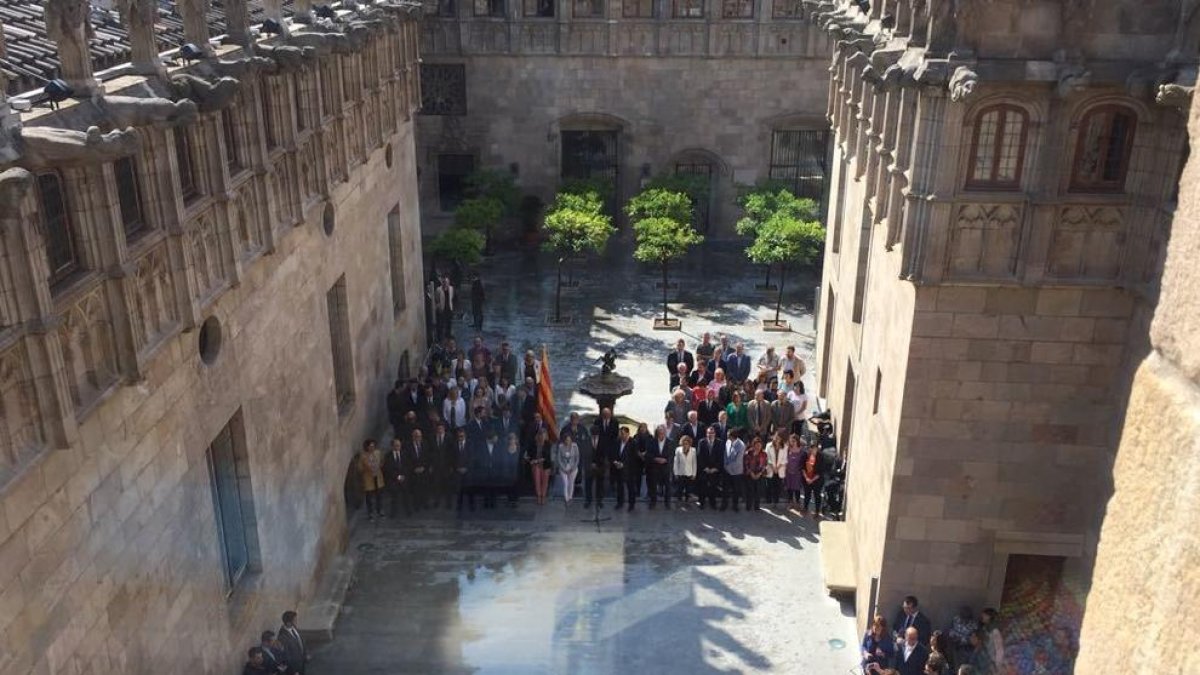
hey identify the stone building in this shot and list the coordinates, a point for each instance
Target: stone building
(209, 277)
(1003, 179)
(621, 90)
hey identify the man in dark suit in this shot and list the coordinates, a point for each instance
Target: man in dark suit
(418, 462)
(256, 663)
(506, 423)
(507, 360)
(606, 434)
(623, 468)
(910, 616)
(477, 428)
(911, 654)
(272, 652)
(395, 479)
(737, 365)
(395, 407)
(680, 355)
(710, 463)
(452, 468)
(658, 453)
(673, 430)
(710, 408)
(295, 654)
(693, 428)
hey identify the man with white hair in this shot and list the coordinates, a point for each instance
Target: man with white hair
(659, 454)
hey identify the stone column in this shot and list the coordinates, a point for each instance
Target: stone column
(66, 25)
(931, 110)
(273, 9)
(195, 23)
(302, 11)
(138, 17)
(237, 22)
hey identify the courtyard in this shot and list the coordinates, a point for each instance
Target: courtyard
(537, 589)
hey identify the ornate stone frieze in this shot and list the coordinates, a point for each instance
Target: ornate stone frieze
(208, 95)
(48, 147)
(152, 311)
(89, 354)
(208, 265)
(21, 434)
(123, 112)
(984, 241)
(1086, 243)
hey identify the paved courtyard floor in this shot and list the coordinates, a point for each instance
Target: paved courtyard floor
(614, 307)
(535, 590)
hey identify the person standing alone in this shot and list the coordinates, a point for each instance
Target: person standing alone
(444, 301)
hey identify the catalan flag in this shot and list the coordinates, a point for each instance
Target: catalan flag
(545, 397)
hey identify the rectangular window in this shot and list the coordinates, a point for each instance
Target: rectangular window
(233, 502)
(187, 167)
(687, 9)
(589, 9)
(396, 255)
(492, 8)
(338, 305)
(56, 223)
(798, 159)
(329, 95)
(268, 115)
(787, 9)
(737, 9)
(539, 8)
(637, 9)
(847, 421)
(443, 89)
(878, 384)
(830, 308)
(1103, 149)
(298, 100)
(229, 130)
(452, 179)
(864, 261)
(129, 197)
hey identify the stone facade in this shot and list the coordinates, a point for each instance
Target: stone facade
(1002, 186)
(1146, 567)
(702, 92)
(215, 300)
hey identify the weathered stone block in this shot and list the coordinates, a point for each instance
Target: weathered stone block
(962, 299)
(1059, 302)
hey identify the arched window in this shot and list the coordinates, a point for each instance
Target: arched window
(188, 186)
(1102, 149)
(998, 148)
(61, 250)
(129, 197)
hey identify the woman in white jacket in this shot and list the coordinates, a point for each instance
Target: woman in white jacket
(685, 471)
(776, 466)
(566, 461)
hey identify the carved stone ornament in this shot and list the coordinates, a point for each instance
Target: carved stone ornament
(962, 83)
(237, 23)
(138, 17)
(67, 26)
(241, 68)
(1175, 95)
(1072, 78)
(44, 147)
(209, 96)
(14, 184)
(288, 58)
(195, 22)
(131, 111)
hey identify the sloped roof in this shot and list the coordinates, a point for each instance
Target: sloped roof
(31, 55)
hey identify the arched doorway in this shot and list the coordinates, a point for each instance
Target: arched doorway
(590, 150)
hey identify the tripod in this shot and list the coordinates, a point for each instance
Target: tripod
(596, 512)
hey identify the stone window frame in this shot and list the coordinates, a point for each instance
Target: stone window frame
(299, 86)
(231, 116)
(539, 9)
(1079, 184)
(639, 9)
(191, 181)
(270, 126)
(588, 9)
(327, 75)
(788, 9)
(990, 183)
(687, 9)
(64, 225)
(125, 181)
(489, 9)
(737, 9)
(337, 302)
(243, 499)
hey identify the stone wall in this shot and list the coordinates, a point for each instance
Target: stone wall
(667, 109)
(1140, 607)
(110, 551)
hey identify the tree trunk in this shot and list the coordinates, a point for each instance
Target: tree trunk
(664, 291)
(558, 294)
(768, 284)
(779, 298)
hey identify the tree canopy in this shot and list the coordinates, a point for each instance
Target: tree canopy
(767, 199)
(785, 237)
(577, 223)
(478, 213)
(662, 222)
(496, 184)
(460, 244)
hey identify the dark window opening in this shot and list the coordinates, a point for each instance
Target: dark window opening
(637, 9)
(298, 103)
(443, 89)
(539, 8)
(798, 159)
(446, 8)
(187, 167)
(229, 130)
(452, 179)
(592, 155)
(233, 501)
(492, 8)
(737, 9)
(61, 248)
(129, 197)
(687, 9)
(589, 9)
(338, 305)
(701, 208)
(1102, 154)
(268, 115)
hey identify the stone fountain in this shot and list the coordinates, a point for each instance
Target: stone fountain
(606, 386)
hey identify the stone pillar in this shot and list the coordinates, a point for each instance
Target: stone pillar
(273, 9)
(237, 22)
(931, 110)
(138, 17)
(195, 22)
(302, 11)
(1147, 569)
(66, 25)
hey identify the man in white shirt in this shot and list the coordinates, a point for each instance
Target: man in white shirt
(454, 410)
(791, 362)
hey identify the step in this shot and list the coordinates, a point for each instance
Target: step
(837, 562)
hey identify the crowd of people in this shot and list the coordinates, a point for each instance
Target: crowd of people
(281, 652)
(468, 429)
(969, 645)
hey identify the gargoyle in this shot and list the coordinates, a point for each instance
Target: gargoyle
(14, 184)
(962, 83)
(241, 67)
(323, 43)
(209, 96)
(1072, 79)
(50, 147)
(1174, 95)
(132, 111)
(287, 58)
